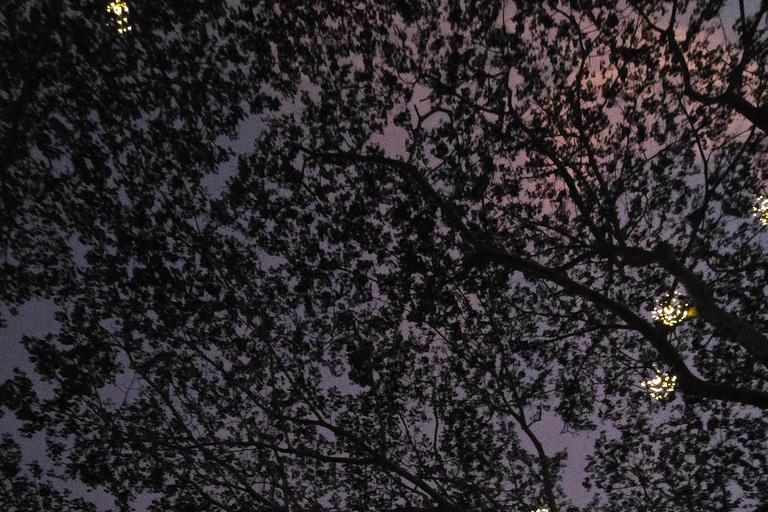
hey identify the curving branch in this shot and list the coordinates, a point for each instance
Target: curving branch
(687, 381)
(756, 114)
(727, 324)
(484, 254)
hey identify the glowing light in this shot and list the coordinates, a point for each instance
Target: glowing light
(119, 12)
(540, 510)
(661, 385)
(761, 210)
(672, 309)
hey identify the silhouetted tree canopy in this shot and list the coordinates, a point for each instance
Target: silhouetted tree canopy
(449, 233)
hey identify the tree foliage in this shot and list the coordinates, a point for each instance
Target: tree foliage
(451, 228)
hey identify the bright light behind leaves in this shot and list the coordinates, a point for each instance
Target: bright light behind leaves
(761, 210)
(540, 510)
(672, 309)
(119, 12)
(661, 385)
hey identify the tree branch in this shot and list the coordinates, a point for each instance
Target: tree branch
(384, 463)
(688, 382)
(727, 324)
(757, 115)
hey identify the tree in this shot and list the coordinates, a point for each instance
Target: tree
(453, 224)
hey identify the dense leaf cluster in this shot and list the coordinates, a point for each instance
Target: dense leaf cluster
(446, 237)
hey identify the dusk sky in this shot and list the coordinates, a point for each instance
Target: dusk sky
(409, 256)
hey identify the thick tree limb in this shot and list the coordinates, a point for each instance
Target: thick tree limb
(727, 324)
(688, 382)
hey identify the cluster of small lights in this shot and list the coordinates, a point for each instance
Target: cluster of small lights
(119, 11)
(672, 310)
(761, 210)
(661, 385)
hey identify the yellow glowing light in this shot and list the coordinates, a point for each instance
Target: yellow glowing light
(761, 210)
(661, 385)
(672, 309)
(119, 12)
(540, 510)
